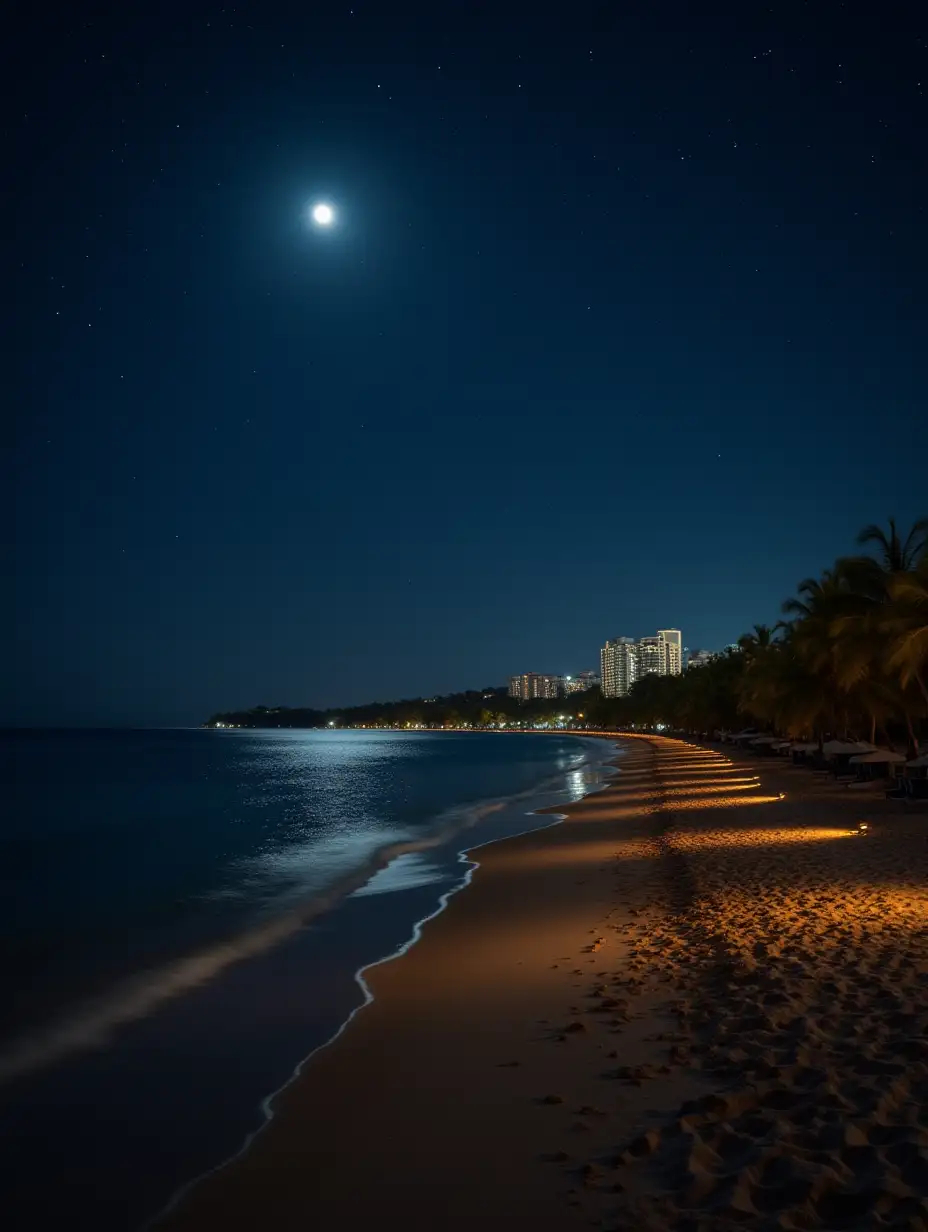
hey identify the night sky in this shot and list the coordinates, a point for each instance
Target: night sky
(621, 326)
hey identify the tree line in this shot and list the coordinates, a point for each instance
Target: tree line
(849, 658)
(487, 707)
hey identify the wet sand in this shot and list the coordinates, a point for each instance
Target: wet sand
(693, 1004)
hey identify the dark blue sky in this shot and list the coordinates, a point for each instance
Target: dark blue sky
(622, 326)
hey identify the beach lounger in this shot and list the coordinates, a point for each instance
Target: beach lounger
(910, 789)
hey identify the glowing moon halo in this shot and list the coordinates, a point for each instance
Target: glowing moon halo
(323, 215)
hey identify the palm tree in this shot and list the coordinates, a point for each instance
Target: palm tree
(790, 687)
(817, 594)
(860, 628)
(906, 623)
(757, 642)
(897, 555)
(814, 610)
(870, 576)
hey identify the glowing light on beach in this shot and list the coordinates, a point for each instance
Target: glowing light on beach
(765, 838)
(716, 801)
(710, 789)
(678, 764)
(683, 785)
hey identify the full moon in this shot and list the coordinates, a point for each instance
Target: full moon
(323, 214)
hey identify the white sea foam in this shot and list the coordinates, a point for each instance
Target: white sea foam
(578, 784)
(93, 1024)
(298, 901)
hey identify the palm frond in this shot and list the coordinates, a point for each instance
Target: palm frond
(916, 543)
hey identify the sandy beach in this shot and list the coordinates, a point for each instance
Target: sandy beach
(694, 1004)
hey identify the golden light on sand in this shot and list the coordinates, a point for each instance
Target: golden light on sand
(678, 763)
(677, 760)
(724, 801)
(710, 776)
(908, 902)
(710, 789)
(680, 767)
(767, 838)
(829, 914)
(717, 777)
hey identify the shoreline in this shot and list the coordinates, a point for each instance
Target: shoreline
(179, 1091)
(88, 1024)
(185, 1210)
(606, 768)
(482, 1083)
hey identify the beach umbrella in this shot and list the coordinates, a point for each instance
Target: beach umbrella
(843, 748)
(766, 740)
(918, 763)
(877, 757)
(804, 748)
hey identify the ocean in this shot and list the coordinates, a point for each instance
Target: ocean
(183, 917)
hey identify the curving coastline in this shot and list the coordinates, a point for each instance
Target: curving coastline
(164, 1076)
(603, 770)
(92, 1023)
(696, 1001)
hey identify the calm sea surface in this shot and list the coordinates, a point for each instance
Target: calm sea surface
(182, 917)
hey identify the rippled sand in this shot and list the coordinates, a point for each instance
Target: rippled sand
(797, 950)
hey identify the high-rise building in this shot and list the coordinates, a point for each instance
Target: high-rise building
(699, 658)
(651, 657)
(533, 685)
(624, 660)
(619, 666)
(671, 651)
(581, 682)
